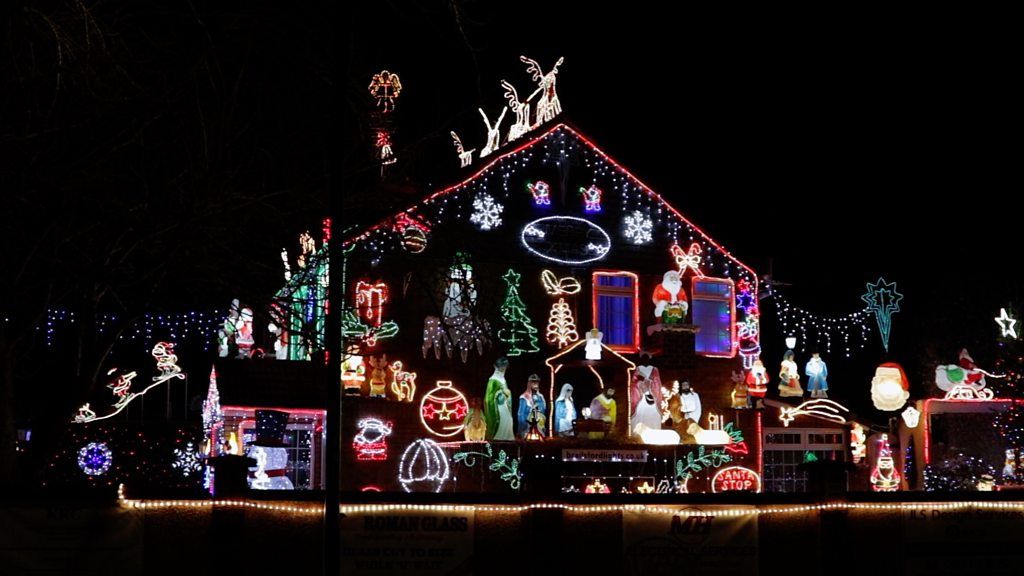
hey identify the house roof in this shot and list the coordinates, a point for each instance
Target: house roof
(426, 209)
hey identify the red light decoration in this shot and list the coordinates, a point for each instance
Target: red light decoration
(370, 299)
(736, 479)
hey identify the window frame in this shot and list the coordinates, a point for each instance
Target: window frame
(598, 291)
(734, 343)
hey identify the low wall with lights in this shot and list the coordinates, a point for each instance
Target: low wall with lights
(806, 538)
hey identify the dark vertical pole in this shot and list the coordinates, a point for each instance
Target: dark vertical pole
(337, 125)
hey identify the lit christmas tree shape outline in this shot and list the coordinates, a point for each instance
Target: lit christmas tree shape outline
(519, 333)
(883, 301)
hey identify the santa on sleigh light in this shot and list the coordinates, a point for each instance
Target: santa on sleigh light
(964, 380)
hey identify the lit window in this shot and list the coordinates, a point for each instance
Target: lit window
(616, 309)
(714, 310)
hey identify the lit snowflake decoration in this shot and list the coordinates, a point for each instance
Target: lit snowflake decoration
(186, 460)
(638, 228)
(95, 458)
(486, 212)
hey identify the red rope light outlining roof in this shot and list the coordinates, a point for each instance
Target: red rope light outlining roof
(563, 126)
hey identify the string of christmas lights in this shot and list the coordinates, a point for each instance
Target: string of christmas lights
(575, 508)
(182, 326)
(820, 333)
(502, 182)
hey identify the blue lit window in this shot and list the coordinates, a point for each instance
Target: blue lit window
(714, 310)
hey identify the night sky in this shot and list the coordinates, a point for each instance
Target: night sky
(828, 155)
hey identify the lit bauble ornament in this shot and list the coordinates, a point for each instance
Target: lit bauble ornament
(414, 240)
(424, 467)
(95, 458)
(443, 410)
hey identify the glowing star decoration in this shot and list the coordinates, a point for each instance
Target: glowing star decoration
(166, 363)
(561, 326)
(883, 301)
(493, 132)
(186, 460)
(687, 260)
(746, 300)
(443, 410)
(95, 458)
(556, 286)
(1006, 324)
(736, 479)
(465, 156)
(486, 212)
(403, 383)
(889, 387)
(911, 417)
(385, 87)
(597, 487)
(857, 439)
(819, 408)
(645, 488)
(548, 105)
(370, 300)
(541, 192)
(371, 443)
(885, 477)
(591, 198)
(638, 228)
(518, 333)
(521, 110)
(423, 467)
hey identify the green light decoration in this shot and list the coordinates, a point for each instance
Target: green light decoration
(518, 333)
(686, 468)
(883, 300)
(352, 327)
(508, 467)
(735, 433)
(809, 457)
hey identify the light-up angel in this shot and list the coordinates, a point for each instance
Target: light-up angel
(493, 132)
(465, 156)
(521, 109)
(548, 105)
(385, 87)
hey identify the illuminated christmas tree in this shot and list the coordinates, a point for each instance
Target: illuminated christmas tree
(1010, 423)
(518, 333)
(561, 326)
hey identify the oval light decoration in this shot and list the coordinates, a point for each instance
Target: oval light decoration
(566, 239)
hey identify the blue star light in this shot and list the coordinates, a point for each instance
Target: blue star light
(884, 301)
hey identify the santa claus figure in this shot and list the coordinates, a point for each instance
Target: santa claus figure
(757, 381)
(973, 375)
(670, 305)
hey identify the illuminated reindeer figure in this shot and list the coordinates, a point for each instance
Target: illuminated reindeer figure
(493, 132)
(403, 383)
(548, 105)
(465, 156)
(522, 110)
